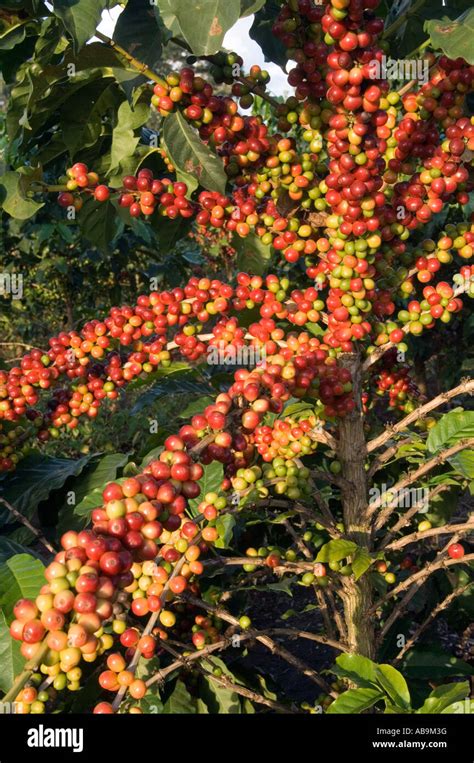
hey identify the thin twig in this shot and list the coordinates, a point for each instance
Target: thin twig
(26, 522)
(461, 529)
(405, 518)
(465, 388)
(380, 462)
(274, 648)
(427, 622)
(412, 477)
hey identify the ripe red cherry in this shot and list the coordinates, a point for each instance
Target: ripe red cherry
(96, 548)
(101, 193)
(33, 631)
(53, 620)
(87, 583)
(456, 551)
(110, 563)
(25, 610)
(113, 492)
(85, 602)
(103, 708)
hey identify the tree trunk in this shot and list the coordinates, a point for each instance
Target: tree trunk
(352, 453)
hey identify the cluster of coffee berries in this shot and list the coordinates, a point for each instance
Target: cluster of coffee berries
(83, 368)
(286, 438)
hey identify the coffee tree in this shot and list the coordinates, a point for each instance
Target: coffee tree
(318, 463)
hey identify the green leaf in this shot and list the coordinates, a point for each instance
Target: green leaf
(209, 483)
(80, 19)
(262, 32)
(217, 698)
(463, 463)
(358, 669)
(99, 223)
(336, 550)
(453, 38)
(138, 32)
(225, 527)
(13, 189)
(361, 562)
(151, 704)
(11, 660)
(394, 684)
(124, 140)
(21, 577)
(444, 696)
(248, 7)
(292, 612)
(451, 428)
(88, 490)
(180, 701)
(355, 701)
(174, 391)
(425, 663)
(203, 23)
(252, 255)
(9, 548)
(195, 163)
(36, 477)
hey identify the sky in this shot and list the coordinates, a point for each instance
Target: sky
(237, 39)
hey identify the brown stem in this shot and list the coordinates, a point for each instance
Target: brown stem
(24, 676)
(465, 388)
(427, 622)
(412, 477)
(134, 62)
(420, 577)
(26, 522)
(461, 529)
(323, 608)
(273, 647)
(352, 453)
(405, 518)
(379, 463)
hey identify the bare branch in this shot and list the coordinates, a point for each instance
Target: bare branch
(26, 522)
(465, 388)
(273, 647)
(420, 577)
(427, 622)
(412, 477)
(405, 518)
(461, 529)
(379, 462)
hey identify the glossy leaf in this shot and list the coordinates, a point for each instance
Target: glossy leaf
(21, 577)
(451, 428)
(261, 31)
(195, 163)
(252, 255)
(80, 19)
(35, 478)
(355, 701)
(336, 550)
(444, 696)
(11, 660)
(358, 669)
(13, 198)
(453, 38)
(394, 685)
(203, 23)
